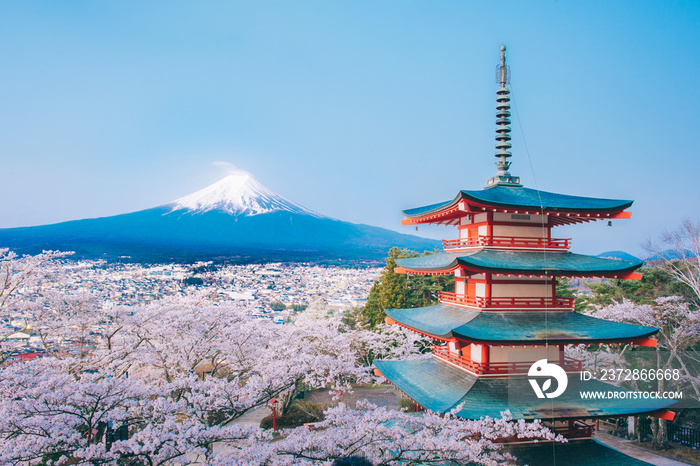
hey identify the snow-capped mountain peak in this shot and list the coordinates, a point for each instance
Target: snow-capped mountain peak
(238, 194)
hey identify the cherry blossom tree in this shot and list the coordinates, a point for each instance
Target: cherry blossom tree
(21, 279)
(603, 356)
(678, 322)
(49, 412)
(173, 376)
(390, 342)
(678, 253)
(679, 330)
(59, 316)
(53, 414)
(387, 437)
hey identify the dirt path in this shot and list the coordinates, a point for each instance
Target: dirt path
(629, 448)
(380, 395)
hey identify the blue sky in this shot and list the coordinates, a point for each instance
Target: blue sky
(354, 109)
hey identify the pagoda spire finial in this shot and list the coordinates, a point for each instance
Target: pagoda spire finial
(503, 70)
(503, 178)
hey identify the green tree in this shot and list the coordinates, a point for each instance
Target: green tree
(400, 291)
(193, 281)
(277, 306)
(566, 289)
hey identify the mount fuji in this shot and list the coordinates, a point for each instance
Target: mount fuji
(238, 194)
(235, 219)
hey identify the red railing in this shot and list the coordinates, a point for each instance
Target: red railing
(501, 368)
(508, 303)
(506, 242)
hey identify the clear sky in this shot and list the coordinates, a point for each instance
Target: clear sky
(354, 109)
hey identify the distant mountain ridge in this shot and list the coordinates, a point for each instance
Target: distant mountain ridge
(622, 255)
(668, 254)
(671, 254)
(235, 219)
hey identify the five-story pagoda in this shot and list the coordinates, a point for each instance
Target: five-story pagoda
(505, 315)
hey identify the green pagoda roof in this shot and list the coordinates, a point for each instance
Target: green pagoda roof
(514, 327)
(440, 387)
(526, 198)
(519, 262)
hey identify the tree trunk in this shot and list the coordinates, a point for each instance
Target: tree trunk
(638, 428)
(286, 398)
(660, 440)
(661, 435)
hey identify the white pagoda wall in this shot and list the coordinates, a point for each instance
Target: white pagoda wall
(529, 353)
(521, 291)
(476, 218)
(519, 231)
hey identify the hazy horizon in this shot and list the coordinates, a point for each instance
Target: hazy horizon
(355, 110)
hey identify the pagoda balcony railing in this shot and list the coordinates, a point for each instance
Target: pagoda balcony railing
(506, 242)
(498, 368)
(449, 297)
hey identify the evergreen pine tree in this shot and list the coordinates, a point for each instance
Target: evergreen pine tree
(399, 291)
